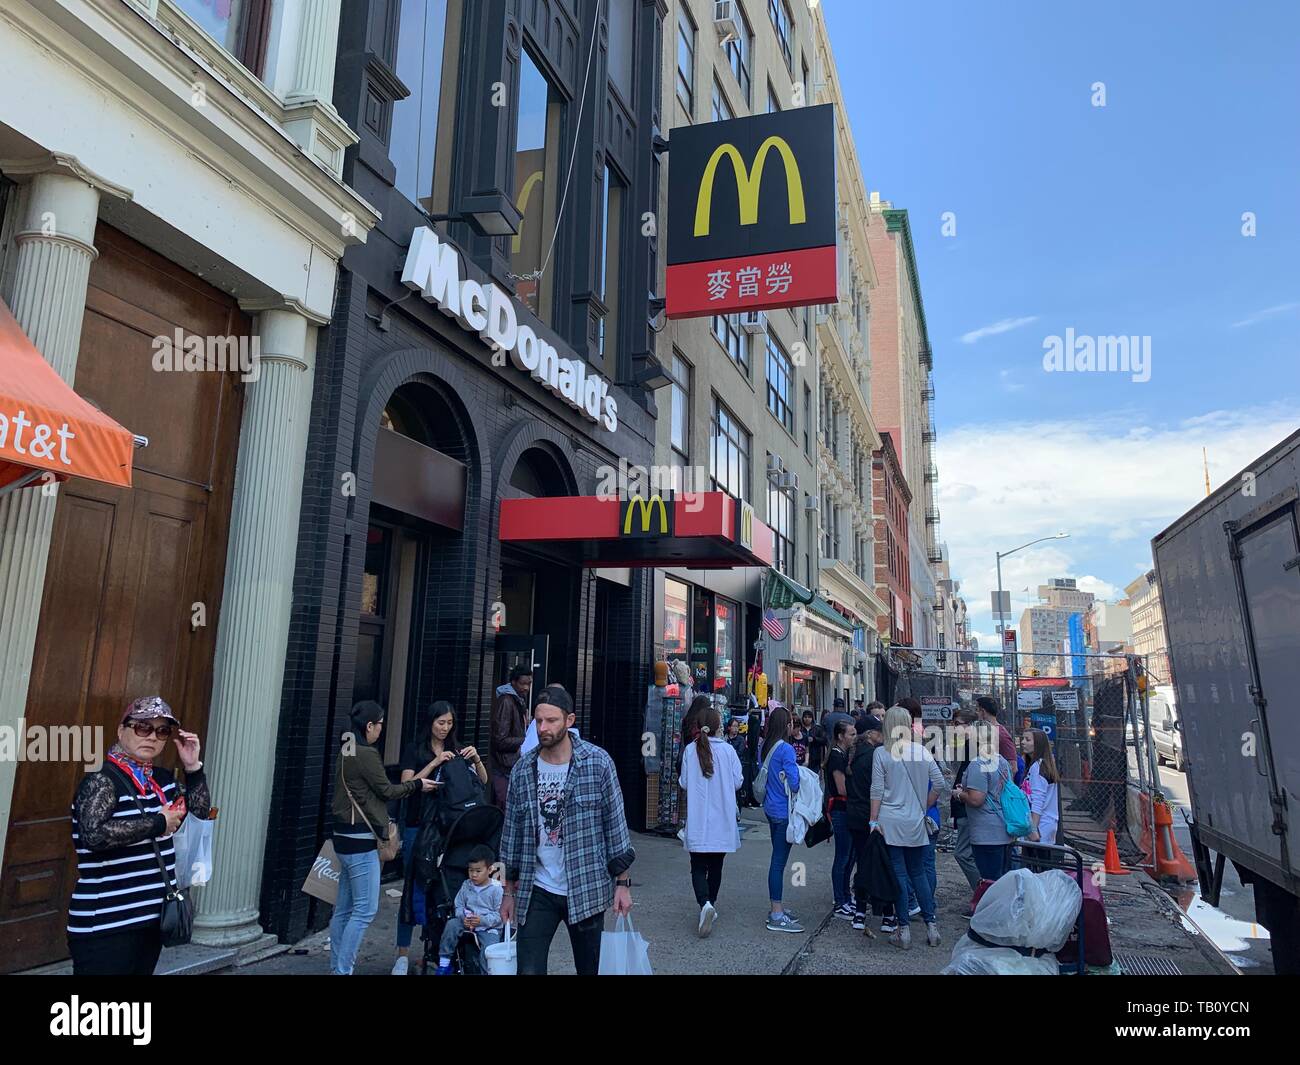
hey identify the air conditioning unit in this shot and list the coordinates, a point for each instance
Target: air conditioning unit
(812, 503)
(774, 464)
(726, 21)
(789, 482)
(753, 322)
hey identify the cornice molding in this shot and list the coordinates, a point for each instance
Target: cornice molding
(63, 163)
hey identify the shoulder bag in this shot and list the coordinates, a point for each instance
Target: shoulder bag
(931, 825)
(760, 779)
(176, 923)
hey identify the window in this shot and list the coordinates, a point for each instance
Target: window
(828, 528)
(780, 383)
(739, 53)
(729, 455)
(807, 421)
(622, 29)
(721, 109)
(686, 62)
(677, 612)
(610, 237)
(773, 101)
(807, 86)
(241, 27)
(779, 11)
(536, 149)
(726, 327)
(413, 133)
(679, 434)
(780, 516)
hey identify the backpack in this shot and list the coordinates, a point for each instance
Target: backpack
(1014, 805)
(760, 778)
(460, 790)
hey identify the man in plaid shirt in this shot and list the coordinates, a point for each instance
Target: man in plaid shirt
(565, 844)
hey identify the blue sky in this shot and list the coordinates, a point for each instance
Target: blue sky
(1117, 220)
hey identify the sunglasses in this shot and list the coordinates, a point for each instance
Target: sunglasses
(145, 729)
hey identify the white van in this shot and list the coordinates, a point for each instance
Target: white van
(1166, 732)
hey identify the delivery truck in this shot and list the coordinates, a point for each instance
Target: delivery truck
(1229, 579)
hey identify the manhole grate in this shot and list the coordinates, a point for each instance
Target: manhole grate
(1146, 965)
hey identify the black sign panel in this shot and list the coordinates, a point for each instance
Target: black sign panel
(641, 516)
(754, 185)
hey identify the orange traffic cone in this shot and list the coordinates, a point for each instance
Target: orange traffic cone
(1113, 868)
(1170, 859)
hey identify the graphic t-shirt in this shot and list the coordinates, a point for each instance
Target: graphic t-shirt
(551, 780)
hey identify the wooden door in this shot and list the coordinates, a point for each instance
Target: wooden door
(133, 585)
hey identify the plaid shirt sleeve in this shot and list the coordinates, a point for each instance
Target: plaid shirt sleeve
(595, 835)
(516, 823)
(618, 841)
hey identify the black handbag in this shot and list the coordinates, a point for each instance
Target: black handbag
(176, 924)
(819, 832)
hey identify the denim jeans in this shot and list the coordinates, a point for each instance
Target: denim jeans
(546, 912)
(909, 868)
(931, 873)
(843, 858)
(357, 904)
(406, 931)
(990, 859)
(780, 855)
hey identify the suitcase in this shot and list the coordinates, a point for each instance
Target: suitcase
(1096, 934)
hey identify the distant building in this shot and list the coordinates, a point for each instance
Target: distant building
(1148, 625)
(1044, 628)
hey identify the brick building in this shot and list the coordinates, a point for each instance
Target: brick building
(891, 499)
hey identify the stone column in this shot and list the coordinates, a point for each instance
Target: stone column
(248, 672)
(318, 38)
(55, 247)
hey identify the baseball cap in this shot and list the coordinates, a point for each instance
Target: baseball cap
(871, 723)
(839, 704)
(147, 708)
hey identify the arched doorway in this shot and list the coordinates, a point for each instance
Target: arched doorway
(536, 617)
(414, 535)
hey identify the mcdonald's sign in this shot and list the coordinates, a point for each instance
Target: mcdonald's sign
(752, 213)
(644, 512)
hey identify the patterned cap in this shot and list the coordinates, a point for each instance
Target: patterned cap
(147, 707)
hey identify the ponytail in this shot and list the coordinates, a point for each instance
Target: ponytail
(709, 722)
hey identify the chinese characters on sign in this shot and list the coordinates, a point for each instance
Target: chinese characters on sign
(776, 282)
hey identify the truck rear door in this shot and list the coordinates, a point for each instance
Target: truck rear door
(1267, 560)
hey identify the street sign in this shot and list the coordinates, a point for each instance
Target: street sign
(1009, 650)
(1066, 700)
(1045, 721)
(1029, 700)
(937, 708)
(1001, 602)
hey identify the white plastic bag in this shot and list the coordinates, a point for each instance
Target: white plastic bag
(805, 805)
(971, 959)
(193, 843)
(1025, 909)
(624, 952)
(501, 959)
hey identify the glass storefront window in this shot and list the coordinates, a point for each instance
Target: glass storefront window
(536, 144)
(677, 608)
(726, 643)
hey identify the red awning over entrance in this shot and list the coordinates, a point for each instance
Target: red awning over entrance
(46, 427)
(705, 530)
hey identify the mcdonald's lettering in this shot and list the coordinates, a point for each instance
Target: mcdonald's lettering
(748, 184)
(752, 198)
(745, 525)
(646, 509)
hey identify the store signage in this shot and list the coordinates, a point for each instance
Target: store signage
(1044, 682)
(752, 214)
(814, 647)
(433, 269)
(744, 524)
(645, 511)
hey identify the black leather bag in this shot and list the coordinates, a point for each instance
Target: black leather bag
(177, 921)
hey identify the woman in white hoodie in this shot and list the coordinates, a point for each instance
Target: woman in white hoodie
(711, 773)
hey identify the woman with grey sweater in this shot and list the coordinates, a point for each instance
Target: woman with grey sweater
(905, 781)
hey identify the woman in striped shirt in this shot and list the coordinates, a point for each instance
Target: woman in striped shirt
(113, 921)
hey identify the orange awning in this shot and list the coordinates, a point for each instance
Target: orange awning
(46, 426)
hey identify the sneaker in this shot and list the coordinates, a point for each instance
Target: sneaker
(401, 967)
(707, 916)
(783, 922)
(902, 939)
(888, 926)
(444, 970)
(844, 913)
(913, 911)
(932, 934)
(860, 921)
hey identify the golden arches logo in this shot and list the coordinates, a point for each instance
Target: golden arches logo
(748, 182)
(646, 508)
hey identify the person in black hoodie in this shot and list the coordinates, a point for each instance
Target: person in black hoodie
(858, 820)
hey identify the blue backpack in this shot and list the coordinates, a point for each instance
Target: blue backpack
(1014, 805)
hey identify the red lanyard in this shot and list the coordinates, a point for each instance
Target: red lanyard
(152, 783)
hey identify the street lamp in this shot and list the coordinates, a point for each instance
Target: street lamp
(1002, 622)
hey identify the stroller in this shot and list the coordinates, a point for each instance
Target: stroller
(459, 819)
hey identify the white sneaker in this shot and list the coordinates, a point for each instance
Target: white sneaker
(932, 934)
(902, 938)
(707, 916)
(913, 911)
(401, 967)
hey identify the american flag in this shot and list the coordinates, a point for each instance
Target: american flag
(772, 625)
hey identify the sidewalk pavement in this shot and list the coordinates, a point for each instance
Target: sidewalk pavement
(665, 913)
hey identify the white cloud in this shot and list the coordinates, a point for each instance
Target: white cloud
(1268, 312)
(1003, 326)
(1110, 481)
(1009, 382)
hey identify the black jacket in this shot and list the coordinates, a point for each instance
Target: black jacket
(858, 784)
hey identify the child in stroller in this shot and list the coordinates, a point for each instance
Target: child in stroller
(476, 917)
(444, 853)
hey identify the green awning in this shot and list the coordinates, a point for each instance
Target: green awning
(826, 612)
(781, 593)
